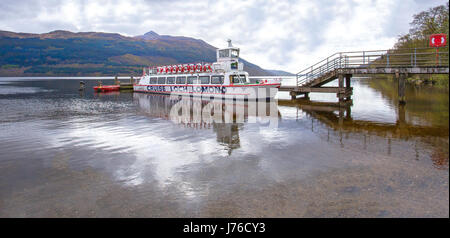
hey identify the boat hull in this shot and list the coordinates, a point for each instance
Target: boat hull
(240, 92)
(107, 88)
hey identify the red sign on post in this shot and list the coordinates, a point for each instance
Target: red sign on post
(438, 40)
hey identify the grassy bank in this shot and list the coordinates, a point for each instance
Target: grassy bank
(438, 80)
(435, 80)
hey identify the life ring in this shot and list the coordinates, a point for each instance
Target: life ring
(207, 68)
(198, 68)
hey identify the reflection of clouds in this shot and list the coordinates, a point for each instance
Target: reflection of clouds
(155, 157)
(276, 34)
(370, 105)
(160, 150)
(18, 90)
(151, 148)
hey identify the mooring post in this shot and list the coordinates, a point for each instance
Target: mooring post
(81, 86)
(401, 87)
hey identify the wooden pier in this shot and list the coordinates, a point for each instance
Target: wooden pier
(124, 86)
(343, 66)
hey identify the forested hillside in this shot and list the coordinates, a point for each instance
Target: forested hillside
(63, 53)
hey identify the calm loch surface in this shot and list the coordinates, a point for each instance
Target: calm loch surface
(65, 153)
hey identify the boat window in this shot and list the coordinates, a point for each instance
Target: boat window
(190, 79)
(170, 80)
(217, 79)
(224, 53)
(234, 53)
(204, 79)
(153, 80)
(240, 79)
(181, 80)
(234, 65)
(162, 80)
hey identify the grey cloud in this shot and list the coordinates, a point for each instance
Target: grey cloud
(301, 34)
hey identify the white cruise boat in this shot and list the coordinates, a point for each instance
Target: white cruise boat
(222, 79)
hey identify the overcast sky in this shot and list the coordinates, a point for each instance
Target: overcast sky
(286, 35)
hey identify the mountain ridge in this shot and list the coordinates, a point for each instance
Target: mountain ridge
(65, 53)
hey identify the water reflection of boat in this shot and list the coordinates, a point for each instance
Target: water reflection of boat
(107, 93)
(198, 112)
(224, 117)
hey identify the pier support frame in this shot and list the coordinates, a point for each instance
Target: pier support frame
(294, 94)
(344, 92)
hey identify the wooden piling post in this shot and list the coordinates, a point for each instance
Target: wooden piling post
(348, 86)
(293, 95)
(341, 87)
(81, 86)
(348, 112)
(347, 80)
(401, 87)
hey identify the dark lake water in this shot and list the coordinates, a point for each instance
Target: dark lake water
(65, 153)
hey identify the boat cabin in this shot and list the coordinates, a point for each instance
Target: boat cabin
(227, 71)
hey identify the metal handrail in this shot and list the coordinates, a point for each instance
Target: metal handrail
(416, 57)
